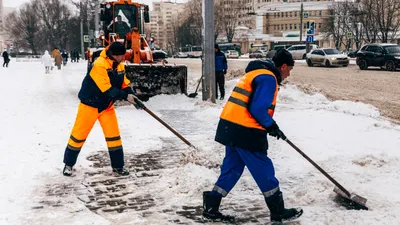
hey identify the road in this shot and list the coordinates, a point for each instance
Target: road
(373, 86)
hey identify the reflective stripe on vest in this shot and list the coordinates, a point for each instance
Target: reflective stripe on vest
(235, 109)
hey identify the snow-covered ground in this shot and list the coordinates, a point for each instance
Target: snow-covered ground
(350, 140)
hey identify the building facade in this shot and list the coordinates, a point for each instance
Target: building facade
(164, 19)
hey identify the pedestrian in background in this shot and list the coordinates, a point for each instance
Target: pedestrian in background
(47, 62)
(221, 66)
(6, 58)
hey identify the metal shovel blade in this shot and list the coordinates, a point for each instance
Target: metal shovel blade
(192, 95)
(350, 202)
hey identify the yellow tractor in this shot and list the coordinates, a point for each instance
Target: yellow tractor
(123, 21)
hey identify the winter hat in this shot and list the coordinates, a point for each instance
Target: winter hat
(216, 46)
(283, 56)
(116, 48)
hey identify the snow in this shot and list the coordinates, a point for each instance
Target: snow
(350, 140)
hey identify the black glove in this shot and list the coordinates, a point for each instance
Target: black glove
(224, 71)
(274, 131)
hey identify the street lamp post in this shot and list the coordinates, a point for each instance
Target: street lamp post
(208, 63)
(301, 21)
(81, 24)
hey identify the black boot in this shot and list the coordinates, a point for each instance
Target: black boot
(67, 171)
(211, 212)
(121, 171)
(278, 212)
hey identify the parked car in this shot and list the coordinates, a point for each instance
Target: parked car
(278, 47)
(386, 56)
(352, 53)
(327, 57)
(300, 51)
(232, 54)
(181, 55)
(258, 54)
(159, 55)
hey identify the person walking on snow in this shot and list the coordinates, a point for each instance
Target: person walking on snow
(221, 65)
(6, 58)
(104, 84)
(47, 61)
(244, 123)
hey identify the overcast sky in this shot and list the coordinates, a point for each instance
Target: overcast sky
(15, 3)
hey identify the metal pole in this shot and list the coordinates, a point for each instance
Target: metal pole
(88, 25)
(208, 63)
(301, 21)
(82, 47)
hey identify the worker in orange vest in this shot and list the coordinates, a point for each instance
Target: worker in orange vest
(135, 40)
(244, 123)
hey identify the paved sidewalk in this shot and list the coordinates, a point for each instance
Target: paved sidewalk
(106, 194)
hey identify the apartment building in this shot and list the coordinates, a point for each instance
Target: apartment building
(163, 20)
(283, 19)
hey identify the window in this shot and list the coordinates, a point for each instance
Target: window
(295, 26)
(375, 49)
(290, 26)
(285, 26)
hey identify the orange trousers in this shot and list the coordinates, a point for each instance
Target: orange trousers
(85, 120)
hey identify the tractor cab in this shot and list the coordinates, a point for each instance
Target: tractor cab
(120, 17)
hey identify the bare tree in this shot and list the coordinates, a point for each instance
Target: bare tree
(55, 16)
(333, 25)
(218, 18)
(387, 14)
(230, 17)
(24, 26)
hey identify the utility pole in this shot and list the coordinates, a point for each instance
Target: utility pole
(96, 24)
(208, 63)
(80, 12)
(301, 21)
(88, 25)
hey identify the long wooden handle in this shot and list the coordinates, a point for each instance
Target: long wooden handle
(141, 105)
(319, 168)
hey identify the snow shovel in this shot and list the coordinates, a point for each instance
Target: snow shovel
(142, 106)
(349, 200)
(193, 95)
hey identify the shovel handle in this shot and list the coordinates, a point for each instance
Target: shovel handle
(142, 106)
(319, 168)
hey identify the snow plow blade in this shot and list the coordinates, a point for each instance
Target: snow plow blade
(150, 80)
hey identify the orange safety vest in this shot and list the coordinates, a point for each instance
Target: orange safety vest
(235, 109)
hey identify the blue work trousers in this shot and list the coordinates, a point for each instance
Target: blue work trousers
(259, 165)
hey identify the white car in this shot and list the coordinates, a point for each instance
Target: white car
(327, 57)
(232, 54)
(300, 51)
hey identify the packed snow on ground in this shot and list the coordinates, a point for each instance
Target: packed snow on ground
(350, 140)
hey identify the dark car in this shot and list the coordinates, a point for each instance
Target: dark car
(386, 56)
(159, 55)
(352, 53)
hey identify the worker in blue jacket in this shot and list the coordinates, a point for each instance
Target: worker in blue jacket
(221, 66)
(245, 122)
